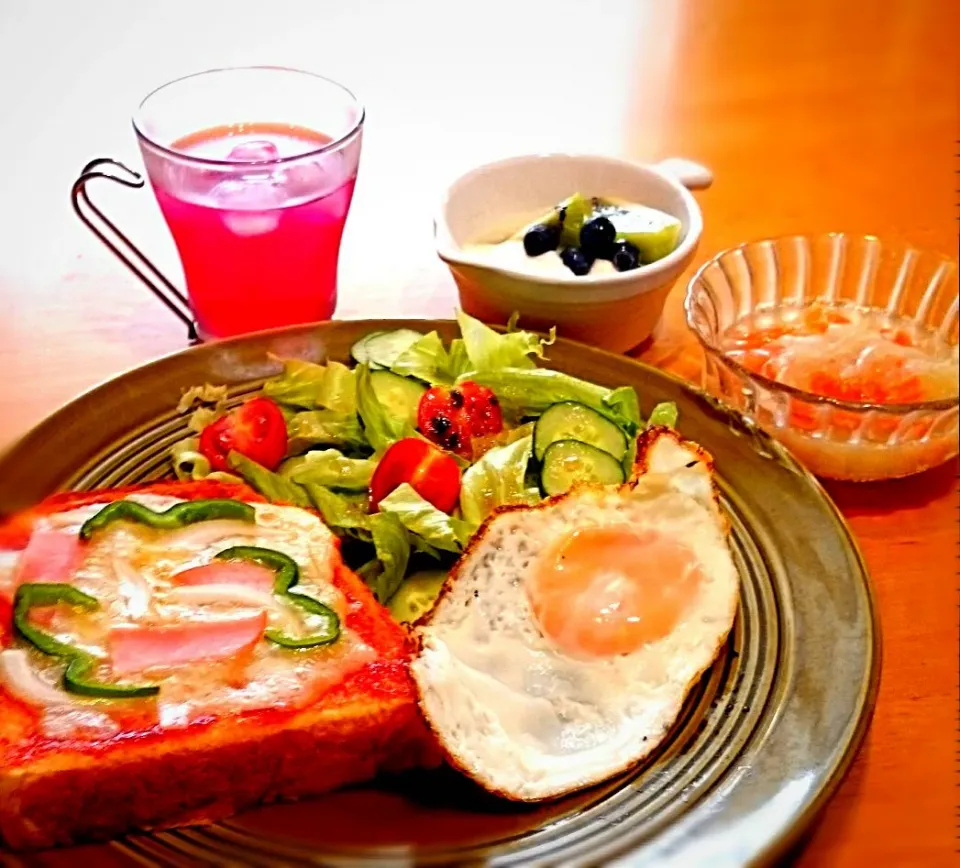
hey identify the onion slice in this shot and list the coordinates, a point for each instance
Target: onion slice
(8, 570)
(19, 678)
(233, 594)
(73, 518)
(205, 533)
(134, 588)
(9, 558)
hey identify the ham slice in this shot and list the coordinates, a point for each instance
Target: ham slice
(50, 556)
(244, 573)
(133, 649)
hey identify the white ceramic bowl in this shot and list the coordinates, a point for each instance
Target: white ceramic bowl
(614, 311)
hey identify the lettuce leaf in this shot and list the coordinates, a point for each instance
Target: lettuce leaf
(429, 360)
(664, 414)
(392, 544)
(458, 362)
(421, 546)
(203, 395)
(323, 428)
(489, 350)
(208, 403)
(528, 392)
(299, 385)
(497, 479)
(625, 407)
(422, 518)
(330, 468)
(346, 515)
(380, 428)
(339, 391)
(309, 385)
(340, 511)
(273, 486)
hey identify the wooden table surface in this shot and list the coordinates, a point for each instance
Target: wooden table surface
(814, 115)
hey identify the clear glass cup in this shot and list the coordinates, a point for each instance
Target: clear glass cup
(254, 170)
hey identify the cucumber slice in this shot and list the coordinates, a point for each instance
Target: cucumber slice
(572, 421)
(569, 462)
(652, 232)
(416, 595)
(400, 396)
(359, 354)
(380, 349)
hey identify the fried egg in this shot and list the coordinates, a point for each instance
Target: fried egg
(568, 636)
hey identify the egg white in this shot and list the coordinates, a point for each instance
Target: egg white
(522, 717)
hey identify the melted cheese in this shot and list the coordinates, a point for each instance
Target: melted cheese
(129, 569)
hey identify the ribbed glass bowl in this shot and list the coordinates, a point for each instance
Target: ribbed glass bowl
(838, 439)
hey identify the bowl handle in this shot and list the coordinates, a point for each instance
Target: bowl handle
(692, 175)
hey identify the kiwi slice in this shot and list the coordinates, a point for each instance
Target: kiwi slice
(569, 215)
(577, 210)
(654, 233)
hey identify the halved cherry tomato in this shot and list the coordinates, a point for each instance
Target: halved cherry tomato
(255, 429)
(452, 417)
(433, 475)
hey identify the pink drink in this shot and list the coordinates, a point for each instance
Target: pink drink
(259, 242)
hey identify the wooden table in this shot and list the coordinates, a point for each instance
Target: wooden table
(813, 115)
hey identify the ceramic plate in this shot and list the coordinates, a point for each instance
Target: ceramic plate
(763, 740)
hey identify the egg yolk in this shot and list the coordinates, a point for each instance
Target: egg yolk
(603, 591)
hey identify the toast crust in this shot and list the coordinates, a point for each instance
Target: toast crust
(58, 791)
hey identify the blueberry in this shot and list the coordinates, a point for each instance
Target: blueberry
(541, 238)
(577, 261)
(597, 237)
(625, 257)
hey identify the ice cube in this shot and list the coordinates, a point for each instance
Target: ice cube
(249, 223)
(251, 206)
(308, 180)
(257, 151)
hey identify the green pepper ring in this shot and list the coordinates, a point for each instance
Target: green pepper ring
(79, 663)
(177, 516)
(286, 576)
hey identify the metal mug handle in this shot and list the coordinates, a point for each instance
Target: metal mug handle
(121, 246)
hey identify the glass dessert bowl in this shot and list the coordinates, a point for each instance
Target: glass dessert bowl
(843, 347)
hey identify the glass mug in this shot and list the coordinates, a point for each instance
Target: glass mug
(254, 170)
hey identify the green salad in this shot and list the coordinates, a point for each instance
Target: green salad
(406, 452)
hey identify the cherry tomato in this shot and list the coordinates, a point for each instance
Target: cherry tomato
(452, 417)
(256, 429)
(433, 475)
